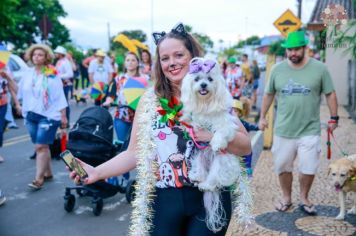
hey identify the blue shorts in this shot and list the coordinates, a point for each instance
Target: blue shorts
(42, 130)
(255, 84)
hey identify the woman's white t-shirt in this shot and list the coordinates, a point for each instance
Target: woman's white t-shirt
(31, 92)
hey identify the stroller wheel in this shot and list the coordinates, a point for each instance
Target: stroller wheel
(130, 191)
(69, 202)
(97, 206)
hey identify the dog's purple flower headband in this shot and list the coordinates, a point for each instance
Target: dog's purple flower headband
(201, 66)
(178, 29)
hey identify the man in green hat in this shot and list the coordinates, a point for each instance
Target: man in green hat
(234, 80)
(298, 82)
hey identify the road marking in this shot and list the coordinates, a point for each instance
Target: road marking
(82, 209)
(15, 140)
(20, 196)
(123, 217)
(112, 206)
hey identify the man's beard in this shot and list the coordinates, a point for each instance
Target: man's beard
(296, 59)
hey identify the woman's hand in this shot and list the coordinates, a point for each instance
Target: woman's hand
(202, 135)
(18, 109)
(91, 171)
(64, 122)
(4, 75)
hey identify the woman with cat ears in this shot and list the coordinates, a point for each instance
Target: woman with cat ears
(166, 209)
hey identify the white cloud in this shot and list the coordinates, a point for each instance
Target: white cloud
(228, 20)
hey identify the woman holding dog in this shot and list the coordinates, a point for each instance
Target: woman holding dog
(43, 107)
(166, 203)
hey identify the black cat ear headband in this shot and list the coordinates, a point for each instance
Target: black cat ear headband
(178, 29)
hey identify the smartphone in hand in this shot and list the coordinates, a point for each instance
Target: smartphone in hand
(73, 164)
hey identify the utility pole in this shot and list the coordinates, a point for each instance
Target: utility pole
(109, 39)
(299, 9)
(151, 38)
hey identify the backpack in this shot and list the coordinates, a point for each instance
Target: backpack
(91, 138)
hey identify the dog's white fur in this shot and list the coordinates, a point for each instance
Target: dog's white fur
(206, 103)
(340, 172)
(211, 169)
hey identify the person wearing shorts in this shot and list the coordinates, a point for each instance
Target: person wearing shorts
(298, 82)
(43, 107)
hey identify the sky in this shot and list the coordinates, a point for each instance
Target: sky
(227, 20)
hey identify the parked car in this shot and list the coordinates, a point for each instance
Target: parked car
(17, 66)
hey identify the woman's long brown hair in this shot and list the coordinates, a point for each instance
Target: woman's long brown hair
(163, 87)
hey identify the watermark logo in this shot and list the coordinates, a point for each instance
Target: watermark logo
(334, 15)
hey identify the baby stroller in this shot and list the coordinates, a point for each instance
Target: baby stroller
(91, 140)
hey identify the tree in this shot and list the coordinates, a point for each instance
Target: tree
(8, 21)
(203, 39)
(230, 52)
(23, 28)
(131, 34)
(277, 49)
(253, 40)
(77, 53)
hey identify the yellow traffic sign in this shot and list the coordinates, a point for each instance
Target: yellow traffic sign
(287, 22)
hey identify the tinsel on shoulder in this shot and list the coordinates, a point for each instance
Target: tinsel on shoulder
(142, 214)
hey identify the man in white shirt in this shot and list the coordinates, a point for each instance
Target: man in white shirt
(99, 70)
(65, 72)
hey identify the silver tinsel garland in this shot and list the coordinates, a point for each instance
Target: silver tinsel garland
(242, 199)
(142, 214)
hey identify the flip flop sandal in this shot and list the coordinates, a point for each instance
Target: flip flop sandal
(48, 178)
(283, 207)
(308, 209)
(35, 185)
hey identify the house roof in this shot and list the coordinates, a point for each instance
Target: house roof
(322, 4)
(268, 40)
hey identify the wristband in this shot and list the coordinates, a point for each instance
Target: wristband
(336, 118)
(332, 122)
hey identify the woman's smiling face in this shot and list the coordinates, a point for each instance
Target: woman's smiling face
(174, 59)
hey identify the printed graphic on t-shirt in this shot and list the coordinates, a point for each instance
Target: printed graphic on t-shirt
(292, 88)
(100, 68)
(174, 151)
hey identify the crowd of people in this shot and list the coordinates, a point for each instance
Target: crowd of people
(45, 92)
(43, 95)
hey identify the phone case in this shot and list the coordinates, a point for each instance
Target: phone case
(72, 163)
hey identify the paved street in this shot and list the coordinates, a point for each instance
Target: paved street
(42, 213)
(294, 222)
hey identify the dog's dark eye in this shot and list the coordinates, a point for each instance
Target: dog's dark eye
(342, 175)
(210, 79)
(333, 174)
(196, 79)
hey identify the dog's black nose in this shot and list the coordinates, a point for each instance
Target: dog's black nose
(203, 85)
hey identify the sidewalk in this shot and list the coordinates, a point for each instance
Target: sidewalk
(293, 222)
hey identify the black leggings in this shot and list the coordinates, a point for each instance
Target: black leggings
(180, 211)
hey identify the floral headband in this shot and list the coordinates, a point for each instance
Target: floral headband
(178, 29)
